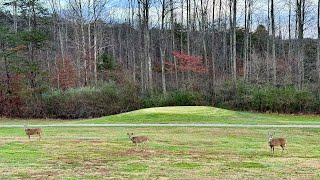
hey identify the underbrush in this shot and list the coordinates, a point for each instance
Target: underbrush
(174, 98)
(112, 98)
(87, 102)
(266, 98)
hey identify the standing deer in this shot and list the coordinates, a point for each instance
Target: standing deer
(137, 139)
(33, 131)
(276, 142)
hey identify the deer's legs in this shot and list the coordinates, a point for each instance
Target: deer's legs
(144, 146)
(29, 138)
(273, 151)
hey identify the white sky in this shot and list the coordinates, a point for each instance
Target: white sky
(118, 11)
(260, 14)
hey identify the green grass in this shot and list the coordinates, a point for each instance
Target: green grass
(174, 153)
(201, 114)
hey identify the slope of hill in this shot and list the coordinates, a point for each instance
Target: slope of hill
(201, 114)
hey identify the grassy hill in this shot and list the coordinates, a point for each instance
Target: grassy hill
(201, 114)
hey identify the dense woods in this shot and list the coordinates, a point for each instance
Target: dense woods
(76, 59)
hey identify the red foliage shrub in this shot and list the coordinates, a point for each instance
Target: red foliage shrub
(188, 63)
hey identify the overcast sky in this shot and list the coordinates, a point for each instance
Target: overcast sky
(117, 10)
(260, 14)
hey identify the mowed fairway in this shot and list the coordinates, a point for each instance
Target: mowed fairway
(201, 114)
(172, 153)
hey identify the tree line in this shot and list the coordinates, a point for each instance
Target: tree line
(158, 49)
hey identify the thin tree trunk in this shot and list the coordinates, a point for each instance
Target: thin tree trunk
(95, 55)
(212, 61)
(141, 51)
(289, 71)
(234, 51)
(173, 41)
(15, 17)
(268, 46)
(120, 46)
(224, 49)
(188, 26)
(89, 53)
(245, 49)
(134, 65)
(84, 55)
(274, 63)
(318, 49)
(220, 9)
(300, 16)
(95, 44)
(79, 54)
(61, 48)
(231, 40)
(163, 46)
(147, 41)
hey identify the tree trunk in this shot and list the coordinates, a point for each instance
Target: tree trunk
(15, 17)
(318, 49)
(163, 46)
(268, 47)
(95, 44)
(246, 38)
(84, 54)
(300, 16)
(173, 42)
(212, 61)
(289, 69)
(234, 40)
(231, 40)
(274, 63)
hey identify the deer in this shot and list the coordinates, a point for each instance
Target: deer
(276, 142)
(33, 131)
(137, 139)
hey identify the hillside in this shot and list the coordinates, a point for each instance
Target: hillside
(201, 114)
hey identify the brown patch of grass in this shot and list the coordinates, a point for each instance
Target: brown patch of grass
(140, 152)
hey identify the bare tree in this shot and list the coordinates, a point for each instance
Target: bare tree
(300, 19)
(318, 49)
(212, 61)
(274, 63)
(234, 39)
(289, 71)
(163, 46)
(146, 44)
(246, 40)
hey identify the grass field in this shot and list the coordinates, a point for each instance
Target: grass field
(172, 153)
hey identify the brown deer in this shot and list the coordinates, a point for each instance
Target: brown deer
(276, 142)
(137, 139)
(33, 131)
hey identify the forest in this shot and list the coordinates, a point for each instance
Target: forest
(91, 58)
